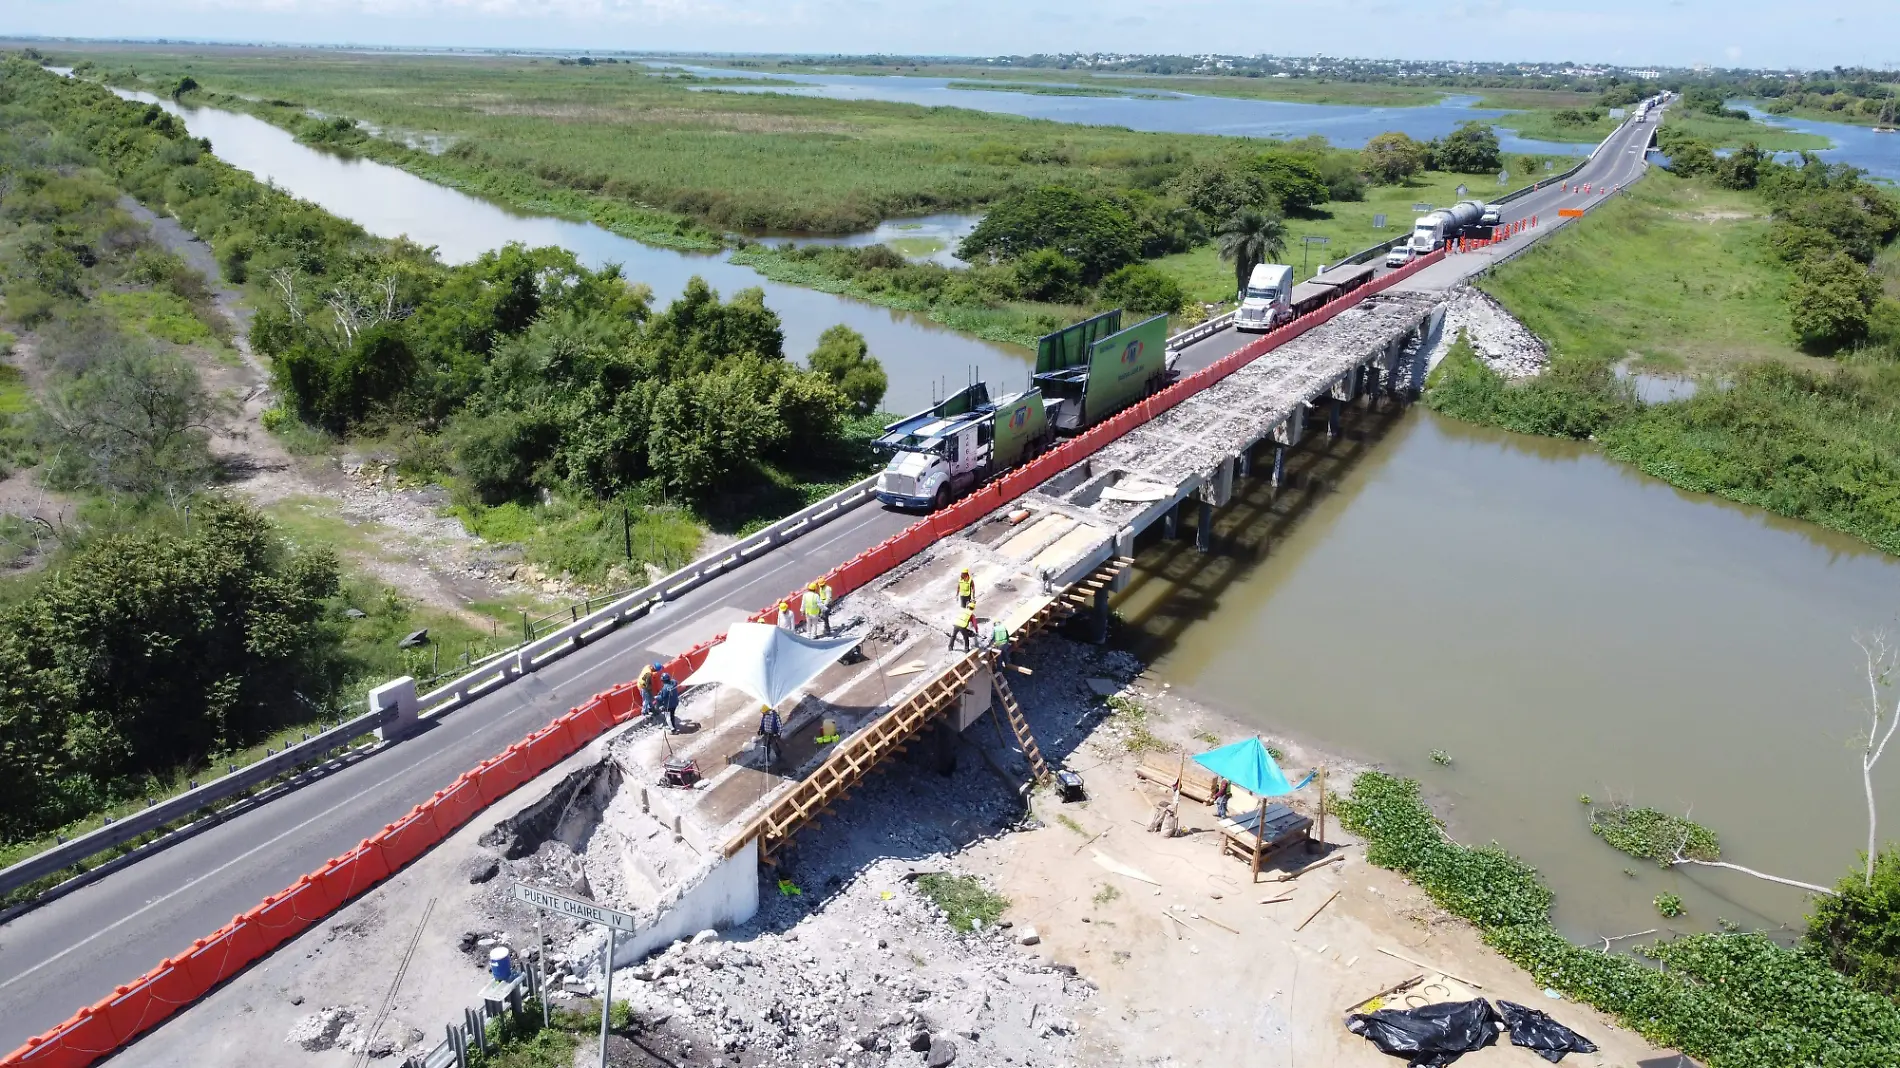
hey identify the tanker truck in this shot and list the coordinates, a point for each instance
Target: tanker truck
(1431, 231)
(1084, 374)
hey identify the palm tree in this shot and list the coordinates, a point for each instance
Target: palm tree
(1252, 236)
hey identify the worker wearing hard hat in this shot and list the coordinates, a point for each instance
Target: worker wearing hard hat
(999, 642)
(966, 589)
(965, 628)
(817, 606)
(769, 735)
(649, 684)
(786, 621)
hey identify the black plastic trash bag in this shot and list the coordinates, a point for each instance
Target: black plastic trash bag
(1430, 1036)
(1540, 1034)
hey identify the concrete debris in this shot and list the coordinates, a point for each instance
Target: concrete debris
(328, 1028)
(1028, 937)
(1497, 338)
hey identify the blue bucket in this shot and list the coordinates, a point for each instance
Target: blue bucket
(501, 963)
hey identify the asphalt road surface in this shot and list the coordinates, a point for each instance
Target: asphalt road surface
(73, 950)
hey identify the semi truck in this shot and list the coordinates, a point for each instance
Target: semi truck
(940, 453)
(1268, 299)
(1084, 374)
(1432, 230)
(1271, 299)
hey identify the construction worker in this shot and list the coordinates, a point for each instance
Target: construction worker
(999, 642)
(965, 628)
(812, 609)
(669, 702)
(769, 735)
(786, 621)
(966, 589)
(824, 605)
(648, 686)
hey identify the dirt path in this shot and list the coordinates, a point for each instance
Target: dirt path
(398, 534)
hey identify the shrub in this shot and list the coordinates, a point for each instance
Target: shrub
(1858, 930)
(1470, 149)
(1143, 289)
(963, 898)
(1391, 158)
(1048, 275)
(1831, 302)
(843, 357)
(1091, 231)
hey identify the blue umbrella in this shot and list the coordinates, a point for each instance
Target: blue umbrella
(1248, 765)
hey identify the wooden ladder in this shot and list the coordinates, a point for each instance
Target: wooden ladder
(1037, 765)
(851, 760)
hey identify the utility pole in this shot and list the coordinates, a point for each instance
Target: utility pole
(626, 517)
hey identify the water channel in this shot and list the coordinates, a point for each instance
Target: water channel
(1346, 126)
(1557, 623)
(1560, 626)
(1872, 151)
(918, 355)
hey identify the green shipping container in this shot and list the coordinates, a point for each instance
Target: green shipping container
(1123, 366)
(1020, 422)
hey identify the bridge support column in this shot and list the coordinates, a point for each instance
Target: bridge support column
(1279, 465)
(1171, 522)
(1245, 466)
(1372, 387)
(1100, 617)
(1204, 530)
(1332, 421)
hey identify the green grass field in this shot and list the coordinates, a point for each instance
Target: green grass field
(1733, 133)
(643, 152)
(1670, 270)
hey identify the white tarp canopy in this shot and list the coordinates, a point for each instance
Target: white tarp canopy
(768, 662)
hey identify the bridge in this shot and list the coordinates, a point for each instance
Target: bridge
(73, 948)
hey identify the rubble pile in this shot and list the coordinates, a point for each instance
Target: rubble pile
(1501, 342)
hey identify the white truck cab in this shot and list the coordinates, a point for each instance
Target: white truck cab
(940, 462)
(1268, 299)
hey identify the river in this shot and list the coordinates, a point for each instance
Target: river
(1348, 126)
(1876, 153)
(1559, 625)
(918, 355)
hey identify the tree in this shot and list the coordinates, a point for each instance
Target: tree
(1470, 149)
(1144, 289)
(1218, 191)
(1293, 180)
(1092, 231)
(843, 357)
(1831, 301)
(148, 651)
(1882, 658)
(1251, 237)
(1391, 158)
(135, 423)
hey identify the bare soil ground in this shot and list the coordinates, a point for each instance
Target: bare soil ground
(404, 541)
(1144, 950)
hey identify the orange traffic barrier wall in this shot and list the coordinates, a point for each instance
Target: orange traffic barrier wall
(97, 1031)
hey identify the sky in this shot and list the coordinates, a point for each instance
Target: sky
(1739, 33)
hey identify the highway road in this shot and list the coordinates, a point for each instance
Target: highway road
(73, 950)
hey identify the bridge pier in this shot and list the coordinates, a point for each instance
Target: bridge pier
(1372, 387)
(1099, 617)
(1279, 465)
(1204, 529)
(1332, 421)
(1171, 522)
(1246, 462)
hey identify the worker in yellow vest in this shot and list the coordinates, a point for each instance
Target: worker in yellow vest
(965, 628)
(966, 589)
(811, 609)
(824, 605)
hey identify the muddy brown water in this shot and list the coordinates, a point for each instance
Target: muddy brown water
(1559, 625)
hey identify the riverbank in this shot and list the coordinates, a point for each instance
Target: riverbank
(1129, 954)
(1682, 277)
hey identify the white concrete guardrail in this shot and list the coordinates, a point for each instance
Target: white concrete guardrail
(395, 712)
